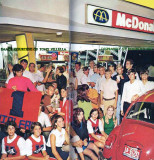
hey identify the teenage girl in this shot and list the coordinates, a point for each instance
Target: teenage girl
(13, 146)
(96, 129)
(57, 138)
(35, 144)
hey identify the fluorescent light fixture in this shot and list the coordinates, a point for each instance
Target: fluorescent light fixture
(59, 33)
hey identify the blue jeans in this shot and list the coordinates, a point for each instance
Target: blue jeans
(118, 109)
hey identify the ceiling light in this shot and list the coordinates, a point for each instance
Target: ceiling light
(59, 33)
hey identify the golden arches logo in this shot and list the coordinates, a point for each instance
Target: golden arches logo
(100, 15)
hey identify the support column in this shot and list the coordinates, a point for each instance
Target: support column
(26, 50)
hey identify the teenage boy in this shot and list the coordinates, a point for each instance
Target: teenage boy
(132, 90)
(101, 78)
(120, 78)
(78, 72)
(91, 67)
(147, 85)
(109, 91)
(94, 76)
(85, 78)
(129, 66)
(26, 73)
(112, 68)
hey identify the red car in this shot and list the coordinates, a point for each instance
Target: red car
(134, 137)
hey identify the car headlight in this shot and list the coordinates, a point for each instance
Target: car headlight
(110, 141)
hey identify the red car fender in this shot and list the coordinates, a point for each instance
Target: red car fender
(109, 149)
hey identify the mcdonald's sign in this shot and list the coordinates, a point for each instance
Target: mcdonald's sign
(116, 19)
(101, 15)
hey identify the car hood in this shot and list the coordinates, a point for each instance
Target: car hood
(136, 134)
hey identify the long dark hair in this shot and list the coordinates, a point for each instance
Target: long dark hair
(61, 98)
(54, 120)
(72, 70)
(93, 110)
(76, 112)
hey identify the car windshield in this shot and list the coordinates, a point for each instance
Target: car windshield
(143, 111)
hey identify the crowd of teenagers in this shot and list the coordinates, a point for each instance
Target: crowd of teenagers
(78, 109)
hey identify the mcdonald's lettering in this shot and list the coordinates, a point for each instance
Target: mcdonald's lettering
(133, 22)
(116, 19)
(101, 15)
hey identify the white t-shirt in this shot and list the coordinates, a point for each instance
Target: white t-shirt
(21, 144)
(85, 79)
(91, 72)
(131, 89)
(99, 82)
(39, 78)
(148, 86)
(90, 128)
(25, 74)
(29, 144)
(34, 76)
(109, 87)
(60, 137)
(44, 120)
(79, 75)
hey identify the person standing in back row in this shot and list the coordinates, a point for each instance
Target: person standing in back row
(112, 68)
(26, 73)
(132, 90)
(19, 82)
(109, 91)
(147, 85)
(85, 78)
(78, 72)
(91, 67)
(120, 78)
(94, 77)
(129, 66)
(60, 78)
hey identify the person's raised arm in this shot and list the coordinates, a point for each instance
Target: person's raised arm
(47, 75)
